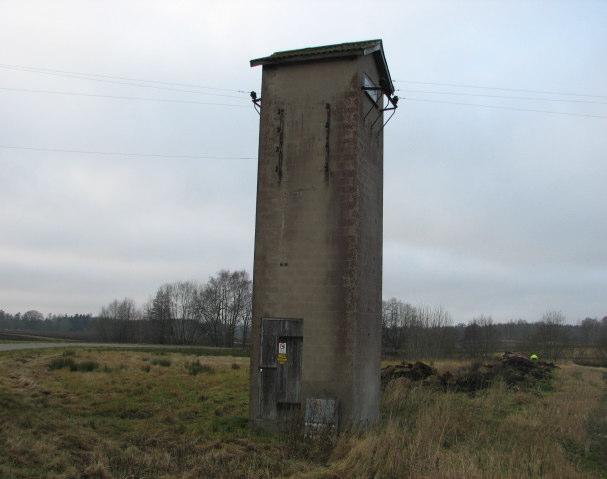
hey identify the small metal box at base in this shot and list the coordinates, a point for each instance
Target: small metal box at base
(321, 414)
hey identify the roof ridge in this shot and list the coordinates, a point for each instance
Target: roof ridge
(334, 51)
(330, 46)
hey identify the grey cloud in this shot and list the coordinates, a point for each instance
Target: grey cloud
(486, 211)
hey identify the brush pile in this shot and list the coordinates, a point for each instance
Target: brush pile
(412, 371)
(514, 370)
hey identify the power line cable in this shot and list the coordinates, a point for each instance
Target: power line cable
(163, 100)
(460, 85)
(120, 82)
(116, 153)
(117, 97)
(502, 96)
(99, 75)
(141, 82)
(506, 108)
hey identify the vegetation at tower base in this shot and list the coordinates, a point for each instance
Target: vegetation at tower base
(144, 414)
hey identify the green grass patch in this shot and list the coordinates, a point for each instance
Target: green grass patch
(85, 366)
(195, 368)
(64, 362)
(119, 367)
(61, 362)
(231, 424)
(165, 363)
(187, 350)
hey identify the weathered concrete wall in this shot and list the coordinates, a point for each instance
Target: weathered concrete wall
(318, 238)
(370, 171)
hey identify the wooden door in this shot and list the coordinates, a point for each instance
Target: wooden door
(280, 366)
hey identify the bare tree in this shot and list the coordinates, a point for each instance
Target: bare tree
(602, 337)
(160, 316)
(590, 331)
(226, 306)
(246, 315)
(416, 332)
(184, 310)
(33, 316)
(480, 337)
(551, 337)
(392, 324)
(114, 320)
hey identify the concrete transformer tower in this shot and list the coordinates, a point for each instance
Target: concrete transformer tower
(317, 280)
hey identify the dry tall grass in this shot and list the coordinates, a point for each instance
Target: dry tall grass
(132, 418)
(428, 433)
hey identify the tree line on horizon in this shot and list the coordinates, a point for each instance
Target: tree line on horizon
(429, 332)
(218, 313)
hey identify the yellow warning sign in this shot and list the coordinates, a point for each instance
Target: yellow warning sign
(282, 358)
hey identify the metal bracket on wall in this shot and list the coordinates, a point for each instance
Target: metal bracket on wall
(392, 105)
(256, 102)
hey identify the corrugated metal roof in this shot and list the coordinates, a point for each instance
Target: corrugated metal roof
(351, 49)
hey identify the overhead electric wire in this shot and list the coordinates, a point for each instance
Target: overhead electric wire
(125, 83)
(502, 96)
(117, 153)
(119, 97)
(506, 108)
(142, 83)
(99, 75)
(460, 85)
(116, 97)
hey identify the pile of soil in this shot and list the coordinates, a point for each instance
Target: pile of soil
(515, 370)
(413, 371)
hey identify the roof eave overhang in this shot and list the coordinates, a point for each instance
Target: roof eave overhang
(383, 65)
(305, 58)
(377, 51)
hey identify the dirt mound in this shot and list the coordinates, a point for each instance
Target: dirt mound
(413, 371)
(515, 370)
(537, 369)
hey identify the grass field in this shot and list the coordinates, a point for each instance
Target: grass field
(162, 414)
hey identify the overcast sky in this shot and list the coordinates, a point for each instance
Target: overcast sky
(486, 210)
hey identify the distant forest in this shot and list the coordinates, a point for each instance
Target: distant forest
(218, 313)
(426, 332)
